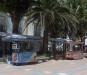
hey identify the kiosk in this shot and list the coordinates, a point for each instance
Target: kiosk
(65, 48)
(56, 45)
(24, 48)
(74, 50)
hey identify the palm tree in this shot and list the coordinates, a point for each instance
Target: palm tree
(47, 12)
(16, 9)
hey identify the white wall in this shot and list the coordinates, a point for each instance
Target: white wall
(9, 24)
(5, 19)
(31, 28)
(86, 41)
(23, 28)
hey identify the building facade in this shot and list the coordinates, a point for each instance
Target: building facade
(5, 23)
(31, 29)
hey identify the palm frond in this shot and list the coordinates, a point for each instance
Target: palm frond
(30, 21)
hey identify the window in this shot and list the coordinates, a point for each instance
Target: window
(2, 28)
(77, 47)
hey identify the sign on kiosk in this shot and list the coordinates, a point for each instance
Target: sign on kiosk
(14, 46)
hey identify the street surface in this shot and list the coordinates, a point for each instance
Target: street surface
(51, 67)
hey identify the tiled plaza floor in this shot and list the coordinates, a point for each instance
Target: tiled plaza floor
(52, 67)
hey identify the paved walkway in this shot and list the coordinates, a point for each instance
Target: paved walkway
(52, 67)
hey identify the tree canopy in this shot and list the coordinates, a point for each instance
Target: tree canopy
(16, 9)
(51, 15)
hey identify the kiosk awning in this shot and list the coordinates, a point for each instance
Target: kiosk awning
(14, 37)
(3, 34)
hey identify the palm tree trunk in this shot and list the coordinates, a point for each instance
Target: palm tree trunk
(54, 48)
(15, 16)
(45, 41)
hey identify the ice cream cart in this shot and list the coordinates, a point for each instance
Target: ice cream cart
(74, 50)
(24, 48)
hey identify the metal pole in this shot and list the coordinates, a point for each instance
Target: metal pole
(3, 43)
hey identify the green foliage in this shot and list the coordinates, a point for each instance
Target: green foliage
(79, 9)
(10, 5)
(52, 15)
(16, 9)
(55, 12)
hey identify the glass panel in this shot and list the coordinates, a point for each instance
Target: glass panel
(85, 49)
(59, 46)
(26, 46)
(67, 47)
(77, 47)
